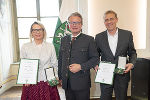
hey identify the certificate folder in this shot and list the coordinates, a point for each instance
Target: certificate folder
(105, 74)
(28, 71)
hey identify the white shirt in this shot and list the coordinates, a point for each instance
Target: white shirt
(113, 40)
(45, 52)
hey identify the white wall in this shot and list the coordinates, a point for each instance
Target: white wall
(83, 9)
(131, 14)
(146, 52)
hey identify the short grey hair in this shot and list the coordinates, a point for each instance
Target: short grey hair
(78, 15)
(110, 12)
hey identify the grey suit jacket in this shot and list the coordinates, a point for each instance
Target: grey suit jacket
(125, 47)
(82, 51)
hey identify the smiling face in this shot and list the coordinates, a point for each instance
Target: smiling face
(75, 25)
(110, 22)
(37, 32)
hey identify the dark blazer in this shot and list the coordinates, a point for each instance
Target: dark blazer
(125, 47)
(82, 51)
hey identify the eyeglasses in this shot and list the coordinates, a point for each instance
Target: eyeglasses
(37, 30)
(74, 23)
(111, 19)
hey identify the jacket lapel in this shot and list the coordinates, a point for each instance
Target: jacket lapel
(119, 42)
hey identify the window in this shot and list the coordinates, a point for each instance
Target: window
(28, 11)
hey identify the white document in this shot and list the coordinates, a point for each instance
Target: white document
(122, 62)
(28, 71)
(105, 73)
(49, 73)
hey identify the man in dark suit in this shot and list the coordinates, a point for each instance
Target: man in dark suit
(77, 55)
(112, 44)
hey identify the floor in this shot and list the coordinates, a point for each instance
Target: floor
(11, 94)
(14, 93)
(129, 98)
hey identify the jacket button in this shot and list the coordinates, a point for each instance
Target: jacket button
(66, 75)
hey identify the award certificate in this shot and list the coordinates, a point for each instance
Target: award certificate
(50, 75)
(122, 62)
(28, 71)
(121, 65)
(105, 73)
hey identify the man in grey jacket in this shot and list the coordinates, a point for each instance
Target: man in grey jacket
(112, 44)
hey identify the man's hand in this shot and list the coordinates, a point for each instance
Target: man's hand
(96, 68)
(75, 68)
(128, 67)
(60, 83)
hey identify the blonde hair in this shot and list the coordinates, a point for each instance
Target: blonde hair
(42, 26)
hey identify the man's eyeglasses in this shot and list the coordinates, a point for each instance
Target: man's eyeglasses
(74, 23)
(111, 19)
(37, 30)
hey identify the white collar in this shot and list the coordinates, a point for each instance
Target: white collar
(114, 34)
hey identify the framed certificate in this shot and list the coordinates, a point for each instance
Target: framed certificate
(105, 73)
(28, 71)
(122, 62)
(121, 65)
(50, 74)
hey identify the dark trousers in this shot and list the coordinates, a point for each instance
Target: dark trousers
(77, 94)
(120, 87)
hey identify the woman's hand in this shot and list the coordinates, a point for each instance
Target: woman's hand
(27, 85)
(96, 68)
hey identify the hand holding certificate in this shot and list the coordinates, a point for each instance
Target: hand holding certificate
(28, 71)
(105, 73)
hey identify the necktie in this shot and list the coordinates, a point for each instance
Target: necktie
(73, 38)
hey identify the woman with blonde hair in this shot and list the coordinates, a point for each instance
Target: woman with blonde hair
(38, 48)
